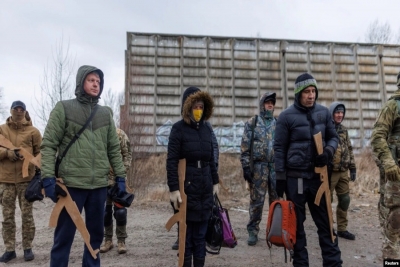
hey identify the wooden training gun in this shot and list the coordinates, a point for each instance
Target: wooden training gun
(324, 188)
(73, 211)
(24, 155)
(180, 216)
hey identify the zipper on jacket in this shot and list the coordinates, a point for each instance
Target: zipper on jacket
(92, 139)
(15, 163)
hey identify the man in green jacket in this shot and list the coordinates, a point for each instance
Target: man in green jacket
(84, 169)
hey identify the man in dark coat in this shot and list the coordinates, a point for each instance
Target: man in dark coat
(191, 139)
(295, 161)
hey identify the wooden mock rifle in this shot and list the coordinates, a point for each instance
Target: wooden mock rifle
(73, 211)
(180, 216)
(324, 188)
(23, 154)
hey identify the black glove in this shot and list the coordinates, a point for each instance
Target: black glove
(353, 175)
(247, 175)
(323, 159)
(280, 187)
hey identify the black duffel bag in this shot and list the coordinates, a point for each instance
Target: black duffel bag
(214, 235)
(34, 190)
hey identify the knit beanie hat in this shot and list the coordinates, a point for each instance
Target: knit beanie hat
(303, 81)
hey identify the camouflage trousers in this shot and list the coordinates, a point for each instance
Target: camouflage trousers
(340, 184)
(120, 229)
(389, 218)
(264, 174)
(12, 192)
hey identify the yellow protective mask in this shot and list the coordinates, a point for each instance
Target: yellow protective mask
(197, 113)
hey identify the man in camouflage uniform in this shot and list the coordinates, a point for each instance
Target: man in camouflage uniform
(258, 165)
(120, 213)
(342, 162)
(385, 142)
(19, 131)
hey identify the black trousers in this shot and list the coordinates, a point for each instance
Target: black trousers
(330, 251)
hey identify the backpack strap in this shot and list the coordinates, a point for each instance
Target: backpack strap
(76, 136)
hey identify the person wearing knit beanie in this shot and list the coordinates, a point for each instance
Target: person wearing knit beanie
(302, 90)
(296, 159)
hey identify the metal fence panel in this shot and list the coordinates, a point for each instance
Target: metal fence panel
(237, 71)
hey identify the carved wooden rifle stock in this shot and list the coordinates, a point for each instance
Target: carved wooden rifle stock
(324, 188)
(180, 216)
(70, 206)
(23, 154)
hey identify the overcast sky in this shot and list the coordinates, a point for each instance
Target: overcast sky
(96, 30)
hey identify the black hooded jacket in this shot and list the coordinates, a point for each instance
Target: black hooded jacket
(193, 141)
(294, 146)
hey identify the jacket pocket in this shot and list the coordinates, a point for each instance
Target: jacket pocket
(298, 156)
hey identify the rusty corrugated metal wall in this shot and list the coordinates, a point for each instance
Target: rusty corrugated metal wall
(236, 71)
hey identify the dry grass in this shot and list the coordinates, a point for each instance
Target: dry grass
(367, 173)
(148, 176)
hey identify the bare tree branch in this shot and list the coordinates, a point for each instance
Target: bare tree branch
(114, 101)
(397, 37)
(379, 33)
(3, 107)
(56, 84)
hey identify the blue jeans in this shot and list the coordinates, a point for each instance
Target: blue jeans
(92, 200)
(196, 239)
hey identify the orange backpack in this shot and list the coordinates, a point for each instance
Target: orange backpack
(281, 226)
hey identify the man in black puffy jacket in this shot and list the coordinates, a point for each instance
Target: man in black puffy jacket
(295, 160)
(191, 139)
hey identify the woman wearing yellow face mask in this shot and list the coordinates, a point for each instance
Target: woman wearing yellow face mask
(191, 139)
(197, 110)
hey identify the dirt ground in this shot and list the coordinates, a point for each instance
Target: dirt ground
(149, 244)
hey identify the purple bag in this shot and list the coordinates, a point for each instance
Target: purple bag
(230, 239)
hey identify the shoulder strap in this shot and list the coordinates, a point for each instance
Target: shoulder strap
(76, 136)
(253, 126)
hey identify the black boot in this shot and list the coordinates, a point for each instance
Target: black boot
(198, 262)
(175, 246)
(187, 262)
(28, 255)
(7, 256)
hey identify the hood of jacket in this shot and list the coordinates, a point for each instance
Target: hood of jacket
(190, 100)
(266, 113)
(396, 94)
(23, 135)
(334, 105)
(19, 125)
(80, 93)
